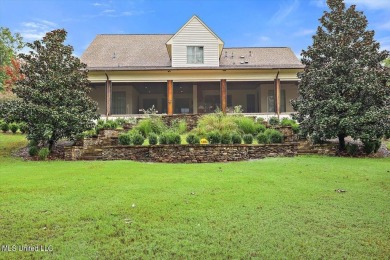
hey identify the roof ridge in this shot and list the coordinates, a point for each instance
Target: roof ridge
(126, 34)
(281, 47)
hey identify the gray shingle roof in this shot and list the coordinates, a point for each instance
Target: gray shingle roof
(149, 52)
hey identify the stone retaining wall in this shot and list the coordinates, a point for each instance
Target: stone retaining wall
(188, 153)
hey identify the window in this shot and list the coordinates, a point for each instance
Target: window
(271, 101)
(195, 54)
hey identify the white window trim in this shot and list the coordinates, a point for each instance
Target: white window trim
(196, 48)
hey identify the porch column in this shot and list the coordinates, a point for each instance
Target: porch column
(170, 97)
(195, 99)
(277, 96)
(223, 95)
(108, 97)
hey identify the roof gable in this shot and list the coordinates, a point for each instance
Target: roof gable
(187, 25)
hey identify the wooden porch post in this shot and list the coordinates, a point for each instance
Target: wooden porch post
(170, 97)
(108, 97)
(277, 96)
(223, 95)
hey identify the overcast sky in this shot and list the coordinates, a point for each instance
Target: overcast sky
(239, 23)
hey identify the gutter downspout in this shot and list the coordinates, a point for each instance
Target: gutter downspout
(108, 96)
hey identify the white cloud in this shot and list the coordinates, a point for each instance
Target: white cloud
(285, 8)
(370, 4)
(34, 30)
(109, 11)
(264, 39)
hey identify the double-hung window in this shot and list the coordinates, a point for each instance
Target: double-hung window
(195, 54)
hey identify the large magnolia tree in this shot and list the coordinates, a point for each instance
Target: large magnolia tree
(343, 89)
(52, 93)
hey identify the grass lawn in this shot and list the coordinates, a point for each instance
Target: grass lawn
(272, 208)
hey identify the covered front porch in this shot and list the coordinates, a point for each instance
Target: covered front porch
(179, 97)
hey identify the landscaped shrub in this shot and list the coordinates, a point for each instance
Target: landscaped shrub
(192, 139)
(226, 138)
(124, 139)
(245, 125)
(153, 139)
(137, 139)
(213, 137)
(110, 124)
(23, 127)
(273, 121)
(43, 153)
(90, 133)
(352, 149)
(262, 138)
(216, 122)
(248, 138)
(259, 128)
(4, 126)
(33, 150)
(290, 122)
(260, 120)
(33, 143)
(371, 146)
(179, 126)
(274, 136)
(151, 125)
(14, 128)
(169, 137)
(236, 138)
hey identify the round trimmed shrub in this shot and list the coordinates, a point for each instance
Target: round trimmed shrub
(236, 138)
(33, 150)
(273, 121)
(124, 139)
(192, 139)
(137, 139)
(274, 136)
(43, 153)
(4, 127)
(259, 128)
(226, 138)
(14, 128)
(214, 137)
(170, 138)
(248, 139)
(23, 127)
(153, 139)
(262, 138)
(371, 146)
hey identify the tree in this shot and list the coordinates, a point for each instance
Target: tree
(343, 90)
(53, 92)
(10, 44)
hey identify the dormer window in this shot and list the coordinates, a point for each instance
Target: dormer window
(194, 54)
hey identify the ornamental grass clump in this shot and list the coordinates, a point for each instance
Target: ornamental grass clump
(215, 122)
(245, 125)
(43, 153)
(153, 124)
(192, 139)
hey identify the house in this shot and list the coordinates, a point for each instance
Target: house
(188, 72)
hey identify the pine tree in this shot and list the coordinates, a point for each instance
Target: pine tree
(343, 89)
(52, 93)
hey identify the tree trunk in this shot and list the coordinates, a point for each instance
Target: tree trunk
(341, 142)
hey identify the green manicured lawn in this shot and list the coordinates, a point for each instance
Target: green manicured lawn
(272, 208)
